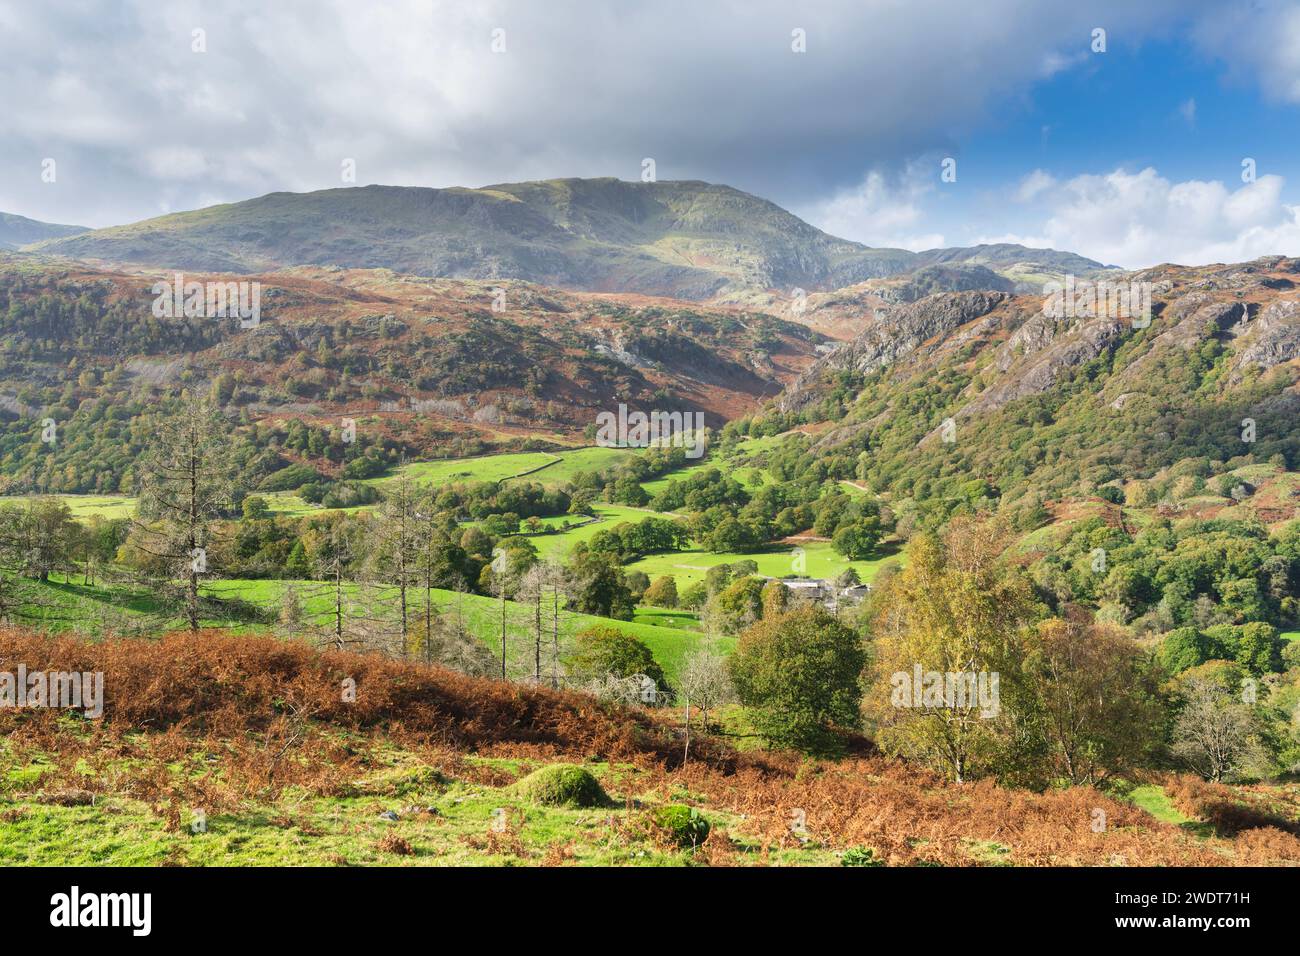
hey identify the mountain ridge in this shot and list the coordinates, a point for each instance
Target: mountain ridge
(684, 239)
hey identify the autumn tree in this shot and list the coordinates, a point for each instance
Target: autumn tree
(603, 650)
(959, 616)
(597, 585)
(662, 593)
(736, 606)
(1097, 698)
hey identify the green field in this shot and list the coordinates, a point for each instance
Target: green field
(820, 560)
(86, 506)
(561, 543)
(656, 485)
(251, 605)
(286, 504)
(571, 462)
(482, 615)
(733, 464)
(661, 617)
(459, 470)
(547, 468)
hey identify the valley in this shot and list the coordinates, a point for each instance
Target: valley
(398, 471)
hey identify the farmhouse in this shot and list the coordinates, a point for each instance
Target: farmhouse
(825, 593)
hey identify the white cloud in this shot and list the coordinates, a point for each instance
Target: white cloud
(176, 162)
(412, 90)
(1033, 184)
(1139, 219)
(881, 212)
(1258, 41)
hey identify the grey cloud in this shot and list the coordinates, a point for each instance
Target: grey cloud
(140, 125)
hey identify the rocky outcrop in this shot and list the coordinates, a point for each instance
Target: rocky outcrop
(1197, 316)
(932, 279)
(1042, 370)
(1004, 348)
(1275, 337)
(902, 330)
(1187, 322)
(1034, 335)
(895, 333)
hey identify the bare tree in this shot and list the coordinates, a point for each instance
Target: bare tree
(451, 644)
(704, 683)
(333, 566)
(186, 486)
(290, 616)
(543, 588)
(356, 614)
(397, 552)
(1216, 734)
(558, 579)
(429, 524)
(500, 570)
(537, 584)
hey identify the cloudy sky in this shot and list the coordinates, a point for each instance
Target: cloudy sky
(1132, 156)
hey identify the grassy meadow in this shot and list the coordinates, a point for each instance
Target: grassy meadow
(71, 603)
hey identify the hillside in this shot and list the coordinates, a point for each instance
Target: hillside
(426, 366)
(238, 751)
(1012, 261)
(18, 231)
(1057, 405)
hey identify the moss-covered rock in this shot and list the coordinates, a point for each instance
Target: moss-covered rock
(561, 785)
(404, 781)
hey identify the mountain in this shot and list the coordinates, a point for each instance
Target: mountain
(18, 231)
(1007, 254)
(1028, 268)
(689, 240)
(987, 390)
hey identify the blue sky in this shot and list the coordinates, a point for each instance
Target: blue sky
(1127, 108)
(1131, 156)
(1161, 104)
